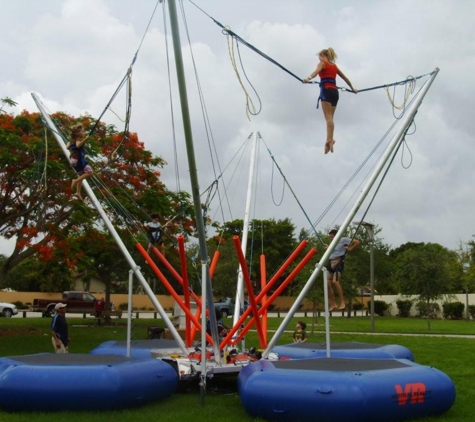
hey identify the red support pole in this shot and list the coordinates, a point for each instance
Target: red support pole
(169, 287)
(279, 290)
(247, 280)
(264, 291)
(214, 263)
(264, 298)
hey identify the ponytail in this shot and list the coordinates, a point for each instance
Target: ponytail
(329, 54)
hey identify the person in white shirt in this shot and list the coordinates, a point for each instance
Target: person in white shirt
(335, 269)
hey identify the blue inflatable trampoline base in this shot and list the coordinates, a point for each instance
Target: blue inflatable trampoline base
(57, 382)
(344, 390)
(140, 349)
(350, 350)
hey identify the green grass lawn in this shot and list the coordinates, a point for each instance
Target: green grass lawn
(452, 355)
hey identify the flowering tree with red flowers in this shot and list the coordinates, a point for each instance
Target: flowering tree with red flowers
(36, 206)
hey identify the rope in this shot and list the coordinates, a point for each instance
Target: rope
(209, 134)
(44, 176)
(291, 190)
(403, 142)
(250, 107)
(272, 186)
(380, 183)
(170, 96)
(228, 31)
(129, 71)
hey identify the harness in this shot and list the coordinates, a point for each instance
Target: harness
(155, 234)
(322, 84)
(80, 155)
(339, 267)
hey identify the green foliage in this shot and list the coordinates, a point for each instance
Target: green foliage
(380, 307)
(357, 306)
(453, 310)
(36, 275)
(450, 355)
(273, 238)
(427, 270)
(37, 209)
(404, 308)
(427, 310)
(471, 311)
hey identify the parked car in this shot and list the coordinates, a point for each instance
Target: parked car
(226, 306)
(8, 309)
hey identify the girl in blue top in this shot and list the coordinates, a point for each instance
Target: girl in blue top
(77, 158)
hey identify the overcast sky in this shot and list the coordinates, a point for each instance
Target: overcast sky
(74, 53)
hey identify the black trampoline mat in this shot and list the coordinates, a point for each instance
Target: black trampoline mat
(70, 359)
(148, 344)
(337, 364)
(339, 346)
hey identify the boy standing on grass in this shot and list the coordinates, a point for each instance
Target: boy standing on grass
(59, 329)
(300, 336)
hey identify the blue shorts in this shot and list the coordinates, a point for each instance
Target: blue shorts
(330, 95)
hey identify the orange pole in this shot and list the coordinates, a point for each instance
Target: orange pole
(264, 291)
(177, 276)
(247, 280)
(214, 263)
(264, 298)
(169, 287)
(279, 290)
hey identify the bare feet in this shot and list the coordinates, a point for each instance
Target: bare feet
(331, 145)
(327, 148)
(341, 307)
(73, 184)
(78, 194)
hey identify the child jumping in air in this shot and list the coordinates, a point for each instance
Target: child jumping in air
(77, 158)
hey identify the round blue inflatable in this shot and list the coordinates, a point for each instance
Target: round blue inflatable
(309, 350)
(54, 382)
(140, 349)
(344, 390)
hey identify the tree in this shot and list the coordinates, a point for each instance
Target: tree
(427, 270)
(35, 204)
(273, 238)
(36, 275)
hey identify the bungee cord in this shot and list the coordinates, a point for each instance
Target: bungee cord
(292, 191)
(403, 144)
(207, 125)
(126, 80)
(227, 31)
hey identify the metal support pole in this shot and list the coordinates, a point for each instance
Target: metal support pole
(129, 312)
(327, 312)
(370, 232)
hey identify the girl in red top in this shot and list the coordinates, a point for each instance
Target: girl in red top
(327, 70)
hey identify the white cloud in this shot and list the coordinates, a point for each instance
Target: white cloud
(74, 53)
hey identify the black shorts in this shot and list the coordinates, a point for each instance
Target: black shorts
(335, 266)
(155, 241)
(330, 95)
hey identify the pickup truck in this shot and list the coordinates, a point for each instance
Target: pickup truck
(77, 302)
